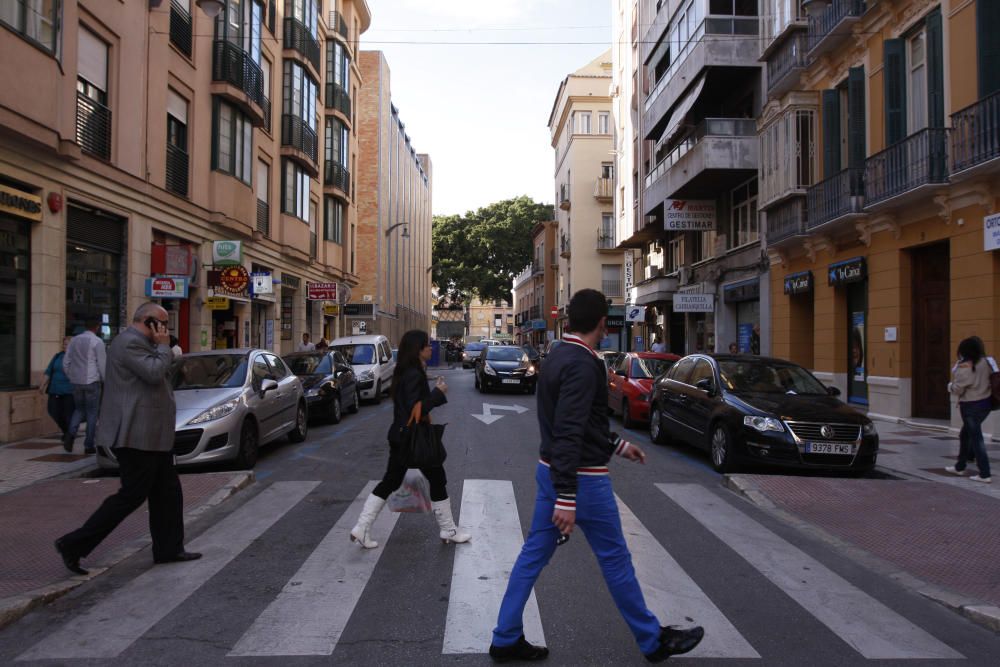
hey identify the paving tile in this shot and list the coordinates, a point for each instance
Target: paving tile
(61, 458)
(35, 445)
(893, 441)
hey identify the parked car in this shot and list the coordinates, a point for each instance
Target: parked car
(743, 408)
(505, 367)
(328, 381)
(471, 353)
(490, 341)
(630, 383)
(610, 359)
(230, 403)
(551, 345)
(371, 357)
(533, 355)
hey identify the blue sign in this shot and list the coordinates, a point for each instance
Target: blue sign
(744, 338)
(538, 325)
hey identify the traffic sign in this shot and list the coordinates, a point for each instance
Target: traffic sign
(554, 312)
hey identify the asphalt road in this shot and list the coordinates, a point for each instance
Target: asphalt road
(281, 584)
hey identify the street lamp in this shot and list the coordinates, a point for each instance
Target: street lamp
(406, 230)
(210, 7)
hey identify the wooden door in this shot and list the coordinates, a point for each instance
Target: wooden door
(932, 353)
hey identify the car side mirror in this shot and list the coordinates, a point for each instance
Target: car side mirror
(706, 385)
(833, 391)
(267, 385)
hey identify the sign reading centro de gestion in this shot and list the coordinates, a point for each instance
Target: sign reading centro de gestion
(694, 303)
(991, 232)
(683, 215)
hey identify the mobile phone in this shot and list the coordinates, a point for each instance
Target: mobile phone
(151, 323)
(562, 539)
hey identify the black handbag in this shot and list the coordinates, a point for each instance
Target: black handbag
(424, 447)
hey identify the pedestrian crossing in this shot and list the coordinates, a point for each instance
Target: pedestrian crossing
(312, 612)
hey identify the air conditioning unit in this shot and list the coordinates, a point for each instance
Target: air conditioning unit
(653, 272)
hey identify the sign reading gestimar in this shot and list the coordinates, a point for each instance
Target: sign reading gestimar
(689, 215)
(227, 253)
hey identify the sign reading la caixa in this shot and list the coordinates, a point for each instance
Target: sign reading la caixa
(849, 271)
(799, 283)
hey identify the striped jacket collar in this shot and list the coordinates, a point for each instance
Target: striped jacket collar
(576, 340)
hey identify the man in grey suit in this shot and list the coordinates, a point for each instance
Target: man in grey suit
(137, 422)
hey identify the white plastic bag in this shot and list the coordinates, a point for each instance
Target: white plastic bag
(414, 495)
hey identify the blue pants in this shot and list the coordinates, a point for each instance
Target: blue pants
(87, 400)
(974, 413)
(597, 516)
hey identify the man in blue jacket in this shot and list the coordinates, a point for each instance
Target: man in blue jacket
(574, 489)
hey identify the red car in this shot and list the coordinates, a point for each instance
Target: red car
(630, 382)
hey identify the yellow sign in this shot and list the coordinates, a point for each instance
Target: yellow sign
(331, 309)
(20, 203)
(216, 302)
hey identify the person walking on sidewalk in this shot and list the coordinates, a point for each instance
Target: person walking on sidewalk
(84, 364)
(59, 389)
(409, 387)
(970, 382)
(574, 489)
(137, 423)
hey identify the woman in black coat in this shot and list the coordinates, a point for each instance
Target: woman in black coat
(409, 387)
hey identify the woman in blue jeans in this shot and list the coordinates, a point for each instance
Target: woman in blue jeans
(971, 384)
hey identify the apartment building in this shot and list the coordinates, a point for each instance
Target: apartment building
(882, 182)
(581, 127)
(535, 287)
(171, 155)
(490, 319)
(394, 216)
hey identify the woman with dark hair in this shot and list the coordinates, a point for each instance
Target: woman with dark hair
(971, 384)
(409, 387)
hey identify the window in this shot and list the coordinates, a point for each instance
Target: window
(241, 24)
(674, 256)
(177, 156)
(35, 20)
(303, 11)
(607, 170)
(703, 246)
(299, 97)
(702, 371)
(787, 149)
(93, 118)
(572, 122)
(607, 238)
(611, 279)
(180, 25)
(603, 123)
(338, 64)
(295, 190)
(743, 220)
(232, 149)
(265, 68)
(916, 49)
(333, 223)
(337, 137)
(584, 122)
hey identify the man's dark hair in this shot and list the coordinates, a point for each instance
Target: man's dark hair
(586, 309)
(91, 323)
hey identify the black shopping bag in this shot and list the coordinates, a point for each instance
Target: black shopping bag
(425, 445)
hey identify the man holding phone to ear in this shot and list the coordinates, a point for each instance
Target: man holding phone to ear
(137, 423)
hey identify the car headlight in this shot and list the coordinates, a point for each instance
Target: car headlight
(530, 371)
(315, 391)
(644, 398)
(488, 369)
(217, 412)
(763, 424)
(367, 376)
(868, 429)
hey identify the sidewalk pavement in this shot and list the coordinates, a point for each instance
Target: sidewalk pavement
(932, 531)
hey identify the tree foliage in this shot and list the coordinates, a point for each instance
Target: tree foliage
(479, 253)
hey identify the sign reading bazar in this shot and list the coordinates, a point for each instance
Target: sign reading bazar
(694, 303)
(227, 253)
(849, 271)
(684, 215)
(321, 291)
(799, 283)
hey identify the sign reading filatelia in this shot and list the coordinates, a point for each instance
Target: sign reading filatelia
(321, 291)
(694, 303)
(683, 215)
(991, 232)
(849, 271)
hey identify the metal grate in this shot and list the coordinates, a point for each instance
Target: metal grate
(338, 98)
(298, 135)
(811, 431)
(93, 127)
(298, 38)
(177, 170)
(233, 65)
(180, 28)
(337, 176)
(263, 218)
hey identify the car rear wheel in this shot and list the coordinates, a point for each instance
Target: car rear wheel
(627, 420)
(656, 432)
(355, 404)
(298, 434)
(336, 410)
(721, 449)
(246, 457)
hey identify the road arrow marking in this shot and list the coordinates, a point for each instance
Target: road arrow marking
(488, 417)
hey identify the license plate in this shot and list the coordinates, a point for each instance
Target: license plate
(829, 448)
(511, 381)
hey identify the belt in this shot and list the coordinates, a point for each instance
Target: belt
(583, 470)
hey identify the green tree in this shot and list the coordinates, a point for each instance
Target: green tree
(481, 252)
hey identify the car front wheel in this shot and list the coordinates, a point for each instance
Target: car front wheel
(336, 410)
(656, 432)
(298, 434)
(721, 449)
(356, 403)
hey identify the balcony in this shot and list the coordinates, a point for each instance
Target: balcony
(337, 176)
(786, 221)
(263, 218)
(975, 138)
(902, 171)
(833, 25)
(611, 288)
(606, 241)
(535, 313)
(840, 197)
(180, 28)
(564, 197)
(655, 286)
(338, 24)
(786, 64)
(177, 170)
(298, 38)
(339, 99)
(93, 127)
(564, 246)
(243, 79)
(604, 189)
(301, 138)
(537, 267)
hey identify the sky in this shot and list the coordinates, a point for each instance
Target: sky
(481, 110)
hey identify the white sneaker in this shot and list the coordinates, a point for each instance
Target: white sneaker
(977, 478)
(953, 471)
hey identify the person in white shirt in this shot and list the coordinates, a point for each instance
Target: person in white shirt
(305, 345)
(83, 364)
(659, 346)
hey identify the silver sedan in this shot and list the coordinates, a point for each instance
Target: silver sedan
(229, 404)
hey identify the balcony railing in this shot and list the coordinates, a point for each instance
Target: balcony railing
(611, 287)
(830, 19)
(298, 135)
(920, 159)
(840, 195)
(786, 220)
(564, 246)
(338, 98)
(790, 57)
(604, 188)
(233, 65)
(263, 218)
(336, 175)
(177, 170)
(537, 266)
(338, 23)
(93, 127)
(298, 38)
(180, 27)
(710, 127)
(606, 240)
(975, 133)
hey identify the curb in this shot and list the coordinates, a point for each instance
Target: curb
(13, 608)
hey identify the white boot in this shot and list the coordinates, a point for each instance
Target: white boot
(449, 531)
(359, 534)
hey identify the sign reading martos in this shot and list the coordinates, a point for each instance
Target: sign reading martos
(681, 215)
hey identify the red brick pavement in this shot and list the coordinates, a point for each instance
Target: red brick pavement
(32, 518)
(945, 536)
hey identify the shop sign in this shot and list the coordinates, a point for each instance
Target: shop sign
(171, 260)
(167, 288)
(234, 280)
(20, 203)
(538, 325)
(685, 215)
(227, 253)
(614, 322)
(991, 232)
(849, 271)
(321, 291)
(262, 283)
(694, 303)
(359, 327)
(331, 309)
(216, 303)
(635, 313)
(799, 283)
(629, 276)
(748, 290)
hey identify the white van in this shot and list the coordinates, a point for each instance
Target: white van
(373, 363)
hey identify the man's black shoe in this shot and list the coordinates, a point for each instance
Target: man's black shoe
(519, 650)
(72, 563)
(675, 642)
(92, 450)
(67, 443)
(179, 558)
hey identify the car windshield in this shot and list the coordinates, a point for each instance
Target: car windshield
(504, 353)
(209, 371)
(309, 364)
(474, 347)
(768, 378)
(358, 355)
(530, 351)
(650, 368)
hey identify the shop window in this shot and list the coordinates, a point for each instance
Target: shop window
(15, 308)
(94, 246)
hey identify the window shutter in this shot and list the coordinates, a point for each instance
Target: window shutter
(177, 106)
(831, 133)
(935, 70)
(894, 73)
(988, 46)
(856, 152)
(92, 59)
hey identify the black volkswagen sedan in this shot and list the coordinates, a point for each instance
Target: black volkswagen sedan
(329, 383)
(749, 409)
(505, 367)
